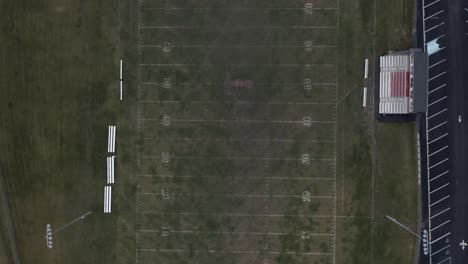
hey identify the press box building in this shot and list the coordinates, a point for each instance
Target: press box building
(403, 82)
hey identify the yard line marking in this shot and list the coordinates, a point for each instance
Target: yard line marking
(239, 46)
(233, 65)
(438, 100)
(437, 63)
(437, 88)
(237, 195)
(238, 214)
(237, 252)
(437, 113)
(253, 177)
(440, 200)
(236, 158)
(438, 163)
(434, 14)
(239, 139)
(256, 84)
(242, 27)
(239, 121)
(443, 186)
(439, 150)
(432, 128)
(440, 175)
(234, 102)
(440, 250)
(439, 213)
(431, 3)
(438, 75)
(446, 222)
(434, 140)
(237, 8)
(229, 233)
(434, 27)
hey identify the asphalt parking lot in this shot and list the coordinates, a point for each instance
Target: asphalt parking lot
(444, 38)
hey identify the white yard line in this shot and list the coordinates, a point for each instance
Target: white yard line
(233, 65)
(236, 195)
(266, 27)
(230, 233)
(239, 46)
(236, 252)
(240, 140)
(240, 121)
(236, 158)
(240, 177)
(235, 102)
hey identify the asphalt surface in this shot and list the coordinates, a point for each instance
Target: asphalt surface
(458, 142)
(445, 185)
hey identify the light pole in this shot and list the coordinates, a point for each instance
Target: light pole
(49, 233)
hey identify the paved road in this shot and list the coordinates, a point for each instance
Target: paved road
(446, 182)
(458, 140)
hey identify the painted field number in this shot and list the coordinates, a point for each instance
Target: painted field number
(308, 8)
(166, 120)
(307, 84)
(165, 157)
(167, 47)
(307, 121)
(165, 231)
(308, 45)
(305, 159)
(305, 234)
(306, 197)
(166, 84)
(165, 193)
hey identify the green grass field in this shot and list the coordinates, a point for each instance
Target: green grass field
(241, 137)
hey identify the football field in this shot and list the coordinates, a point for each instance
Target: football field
(237, 123)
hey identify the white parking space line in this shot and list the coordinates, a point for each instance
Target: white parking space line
(444, 223)
(437, 151)
(437, 63)
(440, 250)
(436, 26)
(440, 175)
(443, 186)
(441, 36)
(438, 75)
(428, 5)
(437, 88)
(438, 163)
(446, 197)
(434, 140)
(435, 14)
(432, 128)
(437, 113)
(447, 260)
(439, 213)
(442, 48)
(438, 100)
